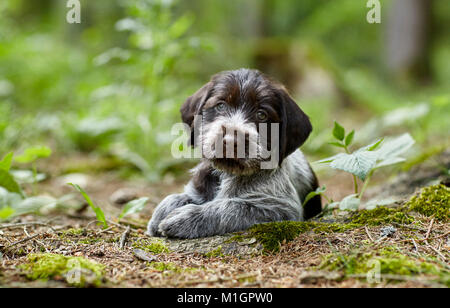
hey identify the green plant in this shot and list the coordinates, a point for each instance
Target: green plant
(134, 206)
(6, 178)
(362, 163)
(97, 210)
(30, 156)
(13, 201)
(131, 207)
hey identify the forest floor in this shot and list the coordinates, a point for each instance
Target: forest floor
(403, 248)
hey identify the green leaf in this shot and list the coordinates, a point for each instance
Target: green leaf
(394, 147)
(7, 181)
(349, 138)
(327, 160)
(350, 203)
(337, 144)
(389, 161)
(27, 176)
(32, 154)
(6, 212)
(180, 26)
(374, 146)
(318, 191)
(98, 211)
(357, 163)
(5, 163)
(330, 206)
(133, 206)
(34, 204)
(338, 131)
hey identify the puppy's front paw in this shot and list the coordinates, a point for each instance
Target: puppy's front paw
(169, 204)
(185, 222)
(152, 227)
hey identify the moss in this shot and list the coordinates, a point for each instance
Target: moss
(74, 232)
(272, 234)
(432, 201)
(165, 266)
(390, 262)
(381, 215)
(89, 241)
(77, 271)
(215, 253)
(321, 227)
(155, 246)
(169, 267)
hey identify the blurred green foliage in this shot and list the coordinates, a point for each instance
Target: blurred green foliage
(113, 84)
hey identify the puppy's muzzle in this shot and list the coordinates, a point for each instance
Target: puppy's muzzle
(231, 143)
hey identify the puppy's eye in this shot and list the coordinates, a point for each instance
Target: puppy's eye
(220, 107)
(261, 115)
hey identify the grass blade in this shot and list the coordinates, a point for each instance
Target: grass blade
(98, 211)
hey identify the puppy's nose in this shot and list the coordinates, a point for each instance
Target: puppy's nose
(235, 144)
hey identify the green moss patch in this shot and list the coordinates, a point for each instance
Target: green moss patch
(432, 201)
(74, 232)
(169, 267)
(155, 246)
(215, 253)
(77, 271)
(380, 216)
(272, 234)
(387, 261)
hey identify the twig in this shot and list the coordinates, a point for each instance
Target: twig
(368, 234)
(120, 225)
(141, 255)
(22, 224)
(429, 229)
(124, 237)
(436, 251)
(414, 228)
(24, 240)
(132, 224)
(430, 238)
(104, 230)
(415, 246)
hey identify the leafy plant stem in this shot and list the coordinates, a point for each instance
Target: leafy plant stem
(326, 198)
(366, 182)
(355, 181)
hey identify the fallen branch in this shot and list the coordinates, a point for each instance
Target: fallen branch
(141, 255)
(124, 237)
(24, 224)
(24, 240)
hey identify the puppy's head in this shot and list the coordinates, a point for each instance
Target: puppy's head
(242, 118)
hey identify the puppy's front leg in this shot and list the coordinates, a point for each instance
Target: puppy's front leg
(166, 206)
(225, 215)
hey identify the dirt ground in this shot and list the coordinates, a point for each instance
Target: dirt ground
(74, 233)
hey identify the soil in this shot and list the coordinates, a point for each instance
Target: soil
(130, 260)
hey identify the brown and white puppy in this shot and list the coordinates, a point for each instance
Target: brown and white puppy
(249, 130)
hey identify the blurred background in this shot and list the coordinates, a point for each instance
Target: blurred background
(104, 94)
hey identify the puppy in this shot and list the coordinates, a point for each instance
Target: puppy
(249, 130)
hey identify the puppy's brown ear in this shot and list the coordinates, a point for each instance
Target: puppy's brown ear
(295, 127)
(193, 106)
